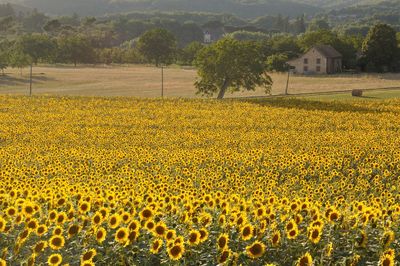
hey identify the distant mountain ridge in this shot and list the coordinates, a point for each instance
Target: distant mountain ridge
(242, 8)
(335, 4)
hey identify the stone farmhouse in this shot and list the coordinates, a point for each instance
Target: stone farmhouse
(321, 59)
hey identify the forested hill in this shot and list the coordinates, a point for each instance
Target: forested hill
(335, 4)
(242, 8)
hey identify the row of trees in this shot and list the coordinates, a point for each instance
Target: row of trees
(228, 64)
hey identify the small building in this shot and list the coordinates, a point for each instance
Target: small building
(321, 59)
(207, 37)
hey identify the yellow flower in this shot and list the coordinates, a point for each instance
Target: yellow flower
(101, 235)
(73, 230)
(114, 221)
(39, 247)
(305, 260)
(276, 239)
(3, 224)
(54, 260)
(122, 234)
(56, 242)
(247, 232)
(146, 214)
(176, 251)
(222, 241)
(194, 237)
(388, 238)
(203, 234)
(224, 257)
(255, 250)
(160, 229)
(88, 255)
(41, 230)
(386, 260)
(156, 246)
(97, 219)
(314, 234)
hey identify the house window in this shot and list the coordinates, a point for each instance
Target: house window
(318, 60)
(305, 60)
(305, 68)
(318, 69)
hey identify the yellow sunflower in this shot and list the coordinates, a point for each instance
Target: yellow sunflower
(56, 242)
(101, 235)
(194, 237)
(276, 239)
(88, 255)
(156, 246)
(247, 232)
(305, 260)
(122, 234)
(386, 260)
(114, 221)
(224, 256)
(255, 250)
(314, 234)
(54, 260)
(222, 241)
(39, 247)
(175, 252)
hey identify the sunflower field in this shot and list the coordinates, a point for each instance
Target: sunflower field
(124, 181)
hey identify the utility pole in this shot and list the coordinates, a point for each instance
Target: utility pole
(30, 82)
(162, 81)
(288, 77)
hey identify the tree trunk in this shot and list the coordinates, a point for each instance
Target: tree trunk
(223, 89)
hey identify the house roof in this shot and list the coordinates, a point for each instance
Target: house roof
(328, 51)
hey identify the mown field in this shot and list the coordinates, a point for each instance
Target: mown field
(124, 181)
(142, 81)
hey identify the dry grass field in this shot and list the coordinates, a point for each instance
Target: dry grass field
(142, 81)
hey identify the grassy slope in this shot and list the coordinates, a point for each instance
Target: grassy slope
(141, 81)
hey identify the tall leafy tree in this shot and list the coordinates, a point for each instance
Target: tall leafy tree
(36, 47)
(4, 55)
(188, 54)
(74, 49)
(380, 47)
(232, 65)
(158, 46)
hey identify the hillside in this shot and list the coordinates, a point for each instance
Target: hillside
(335, 4)
(246, 9)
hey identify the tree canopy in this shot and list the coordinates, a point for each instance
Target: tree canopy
(158, 46)
(380, 47)
(232, 65)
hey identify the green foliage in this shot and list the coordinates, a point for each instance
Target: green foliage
(52, 26)
(158, 46)
(284, 44)
(398, 39)
(117, 55)
(380, 48)
(318, 24)
(346, 45)
(248, 36)
(232, 65)
(74, 49)
(35, 47)
(188, 54)
(4, 54)
(277, 62)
